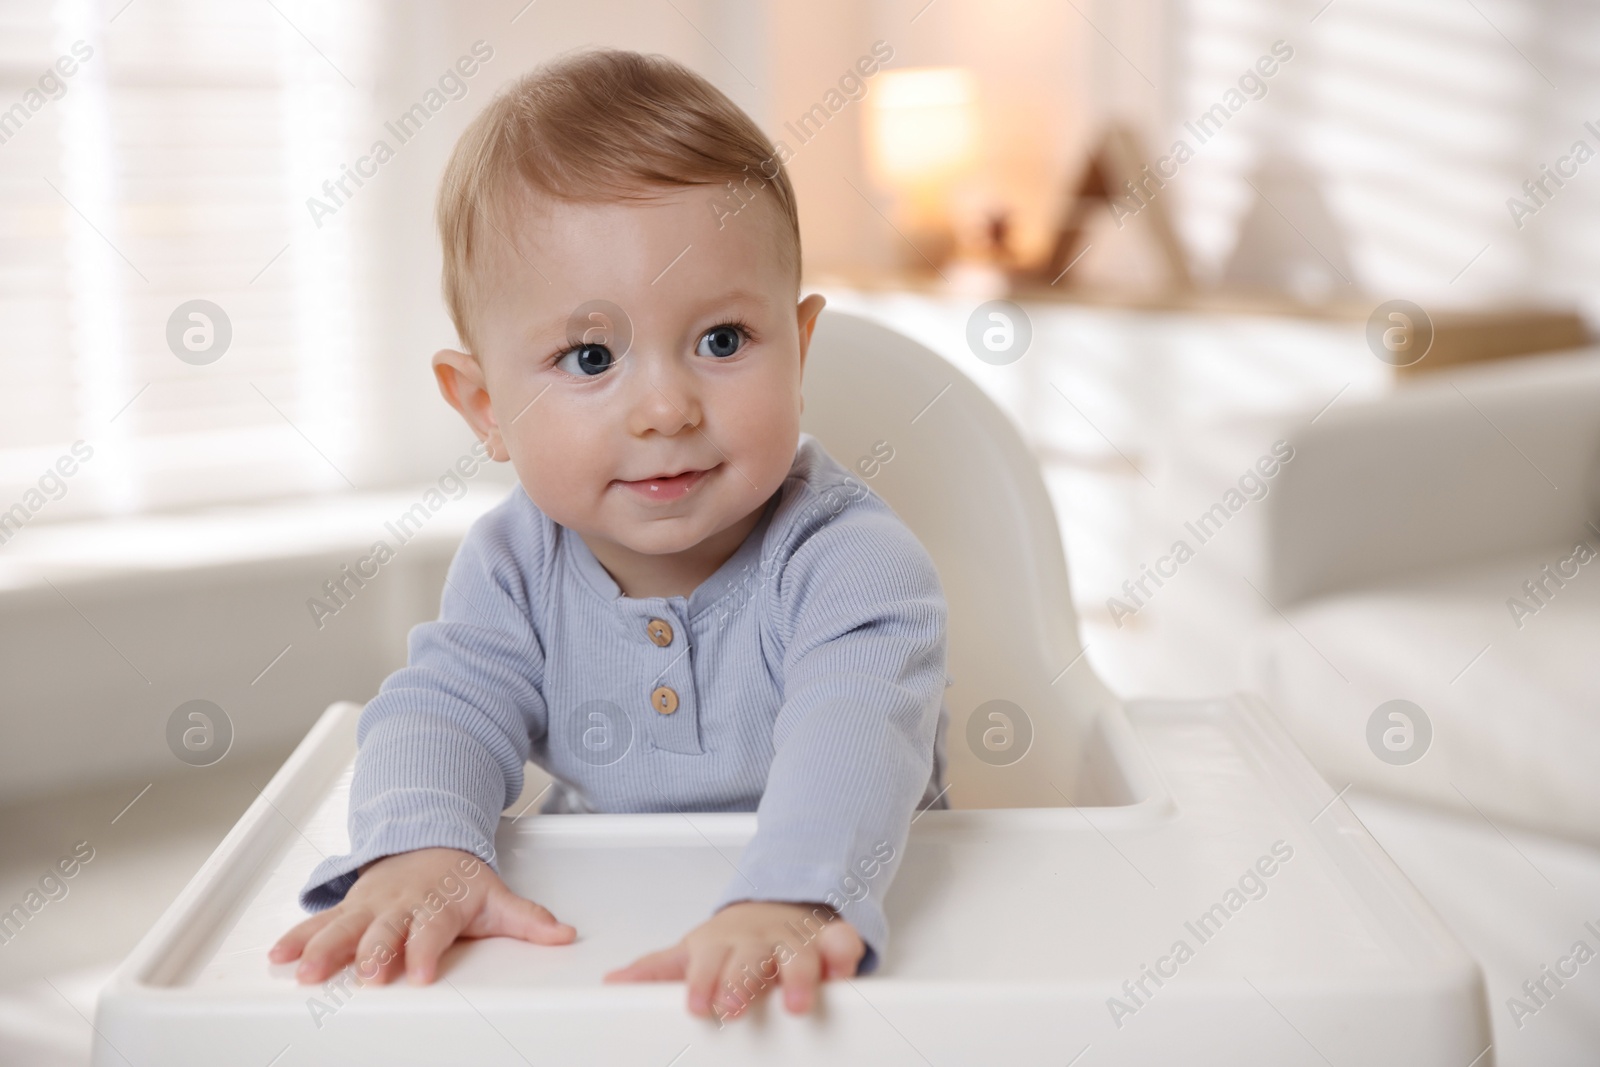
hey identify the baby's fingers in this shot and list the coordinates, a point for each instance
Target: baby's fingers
(332, 947)
(703, 971)
(380, 956)
(841, 948)
(427, 943)
(746, 974)
(291, 944)
(801, 974)
(664, 966)
(507, 915)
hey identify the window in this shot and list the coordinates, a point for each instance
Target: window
(1394, 139)
(155, 154)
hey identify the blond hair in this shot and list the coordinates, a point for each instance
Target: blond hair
(596, 126)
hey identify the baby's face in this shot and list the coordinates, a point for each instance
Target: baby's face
(659, 427)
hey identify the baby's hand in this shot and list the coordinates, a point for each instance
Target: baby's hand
(458, 896)
(747, 946)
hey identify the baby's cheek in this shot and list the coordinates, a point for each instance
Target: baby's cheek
(769, 436)
(564, 482)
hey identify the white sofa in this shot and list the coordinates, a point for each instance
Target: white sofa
(1394, 548)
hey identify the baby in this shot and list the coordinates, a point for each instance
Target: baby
(686, 605)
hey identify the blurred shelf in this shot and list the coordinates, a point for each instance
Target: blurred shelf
(1460, 334)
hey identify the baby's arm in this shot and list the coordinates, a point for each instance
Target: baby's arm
(441, 752)
(862, 620)
(863, 682)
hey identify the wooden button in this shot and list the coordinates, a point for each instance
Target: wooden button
(660, 631)
(664, 699)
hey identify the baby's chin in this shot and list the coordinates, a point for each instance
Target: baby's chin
(664, 536)
(649, 535)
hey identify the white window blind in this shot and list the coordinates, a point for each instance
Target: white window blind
(1412, 124)
(173, 164)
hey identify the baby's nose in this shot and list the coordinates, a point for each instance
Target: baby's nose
(663, 395)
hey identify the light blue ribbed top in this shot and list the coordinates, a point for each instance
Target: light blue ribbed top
(809, 674)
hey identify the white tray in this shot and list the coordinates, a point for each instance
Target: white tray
(1012, 929)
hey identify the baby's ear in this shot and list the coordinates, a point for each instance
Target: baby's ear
(806, 318)
(462, 384)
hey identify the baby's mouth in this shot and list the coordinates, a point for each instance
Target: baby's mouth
(665, 488)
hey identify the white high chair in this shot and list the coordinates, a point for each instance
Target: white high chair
(1037, 921)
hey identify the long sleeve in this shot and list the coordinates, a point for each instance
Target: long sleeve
(862, 620)
(442, 745)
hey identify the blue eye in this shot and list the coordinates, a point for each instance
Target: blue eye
(591, 360)
(722, 341)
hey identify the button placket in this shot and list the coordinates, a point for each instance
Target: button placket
(671, 722)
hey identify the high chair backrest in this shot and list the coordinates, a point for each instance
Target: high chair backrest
(924, 437)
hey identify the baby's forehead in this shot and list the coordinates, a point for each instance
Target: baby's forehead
(697, 213)
(546, 249)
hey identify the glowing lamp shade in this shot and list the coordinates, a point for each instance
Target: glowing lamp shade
(922, 127)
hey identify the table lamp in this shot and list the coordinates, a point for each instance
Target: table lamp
(922, 136)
